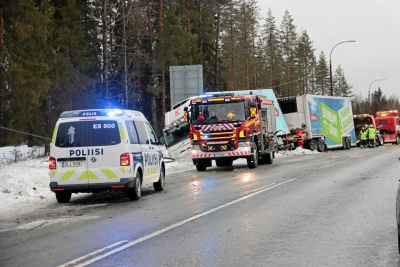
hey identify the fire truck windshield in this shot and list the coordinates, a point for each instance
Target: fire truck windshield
(224, 112)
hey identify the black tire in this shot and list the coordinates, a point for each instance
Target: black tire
(344, 143)
(269, 158)
(63, 197)
(398, 241)
(348, 142)
(252, 163)
(219, 162)
(397, 140)
(159, 186)
(201, 167)
(136, 192)
(228, 162)
(321, 145)
(312, 145)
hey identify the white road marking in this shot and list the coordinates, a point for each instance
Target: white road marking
(137, 241)
(93, 253)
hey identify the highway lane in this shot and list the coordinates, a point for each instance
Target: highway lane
(331, 209)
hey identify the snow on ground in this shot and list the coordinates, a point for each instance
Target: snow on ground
(24, 177)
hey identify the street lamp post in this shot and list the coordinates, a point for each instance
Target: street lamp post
(330, 62)
(369, 89)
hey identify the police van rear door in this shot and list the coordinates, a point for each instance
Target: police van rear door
(69, 149)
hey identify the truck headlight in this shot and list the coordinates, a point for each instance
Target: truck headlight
(244, 144)
(195, 147)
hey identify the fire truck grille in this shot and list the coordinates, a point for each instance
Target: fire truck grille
(217, 147)
(218, 136)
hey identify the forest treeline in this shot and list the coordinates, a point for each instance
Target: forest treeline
(58, 55)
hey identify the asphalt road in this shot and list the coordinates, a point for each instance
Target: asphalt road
(328, 209)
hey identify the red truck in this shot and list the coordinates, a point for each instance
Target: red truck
(389, 125)
(225, 127)
(366, 120)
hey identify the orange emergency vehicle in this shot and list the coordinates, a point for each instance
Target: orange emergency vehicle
(388, 123)
(235, 126)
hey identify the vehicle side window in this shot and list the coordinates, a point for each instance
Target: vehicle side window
(142, 132)
(133, 136)
(152, 135)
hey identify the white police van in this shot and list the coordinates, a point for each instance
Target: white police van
(104, 149)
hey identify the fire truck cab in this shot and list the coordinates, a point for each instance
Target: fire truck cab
(388, 123)
(225, 127)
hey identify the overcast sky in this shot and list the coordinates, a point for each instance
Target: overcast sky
(373, 24)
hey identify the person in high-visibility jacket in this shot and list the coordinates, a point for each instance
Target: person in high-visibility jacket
(363, 137)
(378, 140)
(371, 136)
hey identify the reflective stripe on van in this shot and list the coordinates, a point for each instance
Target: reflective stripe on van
(105, 173)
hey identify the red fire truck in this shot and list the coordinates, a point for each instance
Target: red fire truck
(389, 125)
(225, 127)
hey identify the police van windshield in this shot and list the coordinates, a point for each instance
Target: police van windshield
(87, 133)
(221, 112)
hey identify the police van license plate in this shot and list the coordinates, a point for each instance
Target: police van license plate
(71, 164)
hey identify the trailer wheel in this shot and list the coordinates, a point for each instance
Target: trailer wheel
(348, 142)
(345, 143)
(312, 145)
(321, 145)
(253, 162)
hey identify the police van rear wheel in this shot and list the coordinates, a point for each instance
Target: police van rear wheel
(63, 197)
(159, 186)
(136, 192)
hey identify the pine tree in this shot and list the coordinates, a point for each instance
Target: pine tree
(340, 85)
(304, 58)
(270, 45)
(322, 76)
(289, 43)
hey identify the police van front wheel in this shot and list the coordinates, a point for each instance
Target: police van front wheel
(63, 197)
(135, 192)
(159, 186)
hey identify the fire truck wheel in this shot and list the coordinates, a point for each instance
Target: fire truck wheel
(312, 145)
(397, 140)
(252, 162)
(321, 145)
(269, 158)
(228, 162)
(219, 162)
(201, 167)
